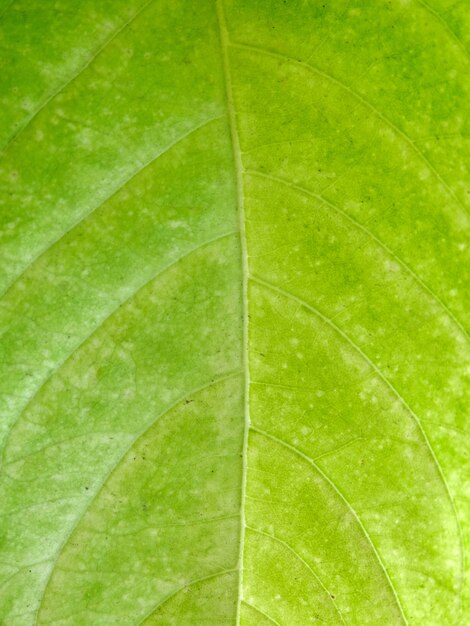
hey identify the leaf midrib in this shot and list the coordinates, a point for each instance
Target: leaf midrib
(237, 160)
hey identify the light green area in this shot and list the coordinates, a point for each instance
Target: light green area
(234, 314)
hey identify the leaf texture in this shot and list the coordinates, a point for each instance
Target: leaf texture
(234, 314)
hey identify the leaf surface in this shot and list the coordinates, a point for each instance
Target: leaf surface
(234, 267)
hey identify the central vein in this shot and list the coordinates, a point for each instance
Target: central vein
(244, 262)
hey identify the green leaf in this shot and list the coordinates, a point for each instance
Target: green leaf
(234, 266)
